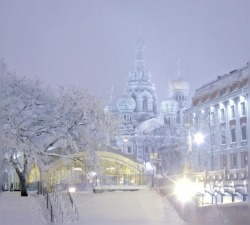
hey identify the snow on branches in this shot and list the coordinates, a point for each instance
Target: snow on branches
(37, 122)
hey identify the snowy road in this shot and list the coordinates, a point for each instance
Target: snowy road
(142, 207)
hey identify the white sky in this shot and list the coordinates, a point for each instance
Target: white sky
(90, 43)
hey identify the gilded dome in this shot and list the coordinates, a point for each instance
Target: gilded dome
(180, 84)
(126, 103)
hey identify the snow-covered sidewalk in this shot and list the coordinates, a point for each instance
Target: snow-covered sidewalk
(17, 210)
(144, 207)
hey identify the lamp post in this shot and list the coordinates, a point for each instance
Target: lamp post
(198, 139)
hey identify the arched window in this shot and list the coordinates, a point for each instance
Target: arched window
(145, 104)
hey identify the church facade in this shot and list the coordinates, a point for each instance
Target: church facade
(150, 130)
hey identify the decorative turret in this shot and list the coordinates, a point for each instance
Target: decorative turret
(111, 104)
(141, 88)
(169, 108)
(180, 88)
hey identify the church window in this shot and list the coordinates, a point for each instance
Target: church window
(178, 117)
(126, 118)
(129, 149)
(182, 98)
(145, 104)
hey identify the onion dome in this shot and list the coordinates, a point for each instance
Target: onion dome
(110, 107)
(170, 106)
(126, 103)
(179, 84)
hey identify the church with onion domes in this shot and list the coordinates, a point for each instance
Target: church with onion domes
(150, 131)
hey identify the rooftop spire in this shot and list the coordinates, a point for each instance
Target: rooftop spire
(139, 61)
(178, 74)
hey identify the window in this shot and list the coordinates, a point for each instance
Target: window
(223, 137)
(233, 160)
(127, 118)
(178, 117)
(232, 112)
(233, 135)
(145, 104)
(222, 115)
(129, 149)
(244, 159)
(167, 121)
(243, 108)
(211, 117)
(244, 133)
(146, 149)
(213, 139)
(223, 161)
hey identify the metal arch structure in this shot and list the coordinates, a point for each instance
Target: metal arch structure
(60, 172)
(122, 159)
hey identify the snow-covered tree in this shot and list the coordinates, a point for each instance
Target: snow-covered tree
(36, 121)
(1, 133)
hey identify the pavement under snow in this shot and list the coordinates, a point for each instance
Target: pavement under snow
(144, 207)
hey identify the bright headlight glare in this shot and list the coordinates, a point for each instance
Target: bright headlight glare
(185, 190)
(72, 189)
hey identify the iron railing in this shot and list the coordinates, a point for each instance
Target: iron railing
(73, 205)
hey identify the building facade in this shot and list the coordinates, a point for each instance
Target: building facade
(219, 114)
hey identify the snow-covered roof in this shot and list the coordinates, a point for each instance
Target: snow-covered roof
(149, 125)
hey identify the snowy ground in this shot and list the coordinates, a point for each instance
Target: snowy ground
(144, 207)
(17, 210)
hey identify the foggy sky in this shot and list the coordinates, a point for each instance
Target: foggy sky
(90, 43)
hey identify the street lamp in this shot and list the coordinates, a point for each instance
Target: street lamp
(198, 139)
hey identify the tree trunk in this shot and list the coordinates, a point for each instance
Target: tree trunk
(22, 179)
